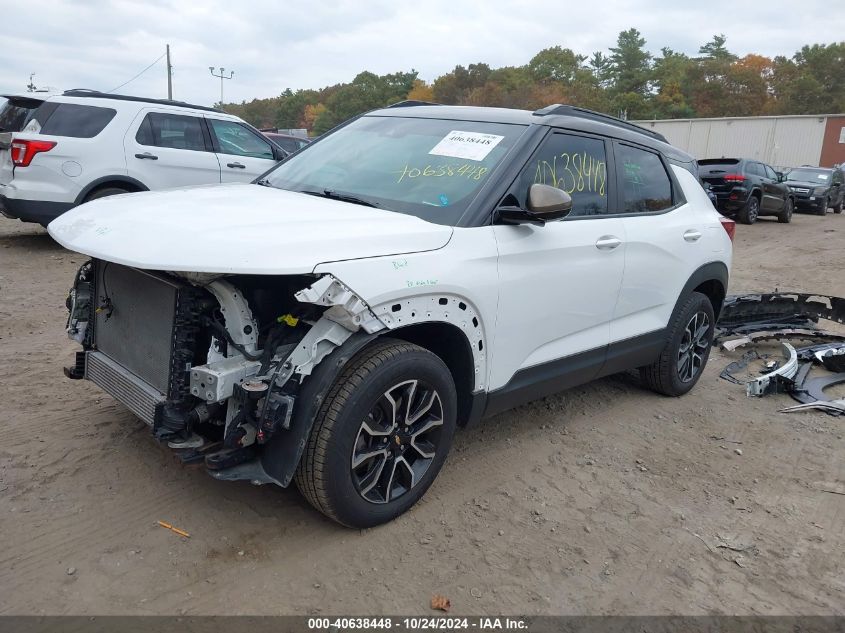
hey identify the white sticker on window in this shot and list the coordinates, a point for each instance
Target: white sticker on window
(468, 145)
(821, 176)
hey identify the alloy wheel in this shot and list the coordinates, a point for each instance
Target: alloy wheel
(397, 441)
(694, 345)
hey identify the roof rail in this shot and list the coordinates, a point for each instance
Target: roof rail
(584, 113)
(86, 92)
(410, 103)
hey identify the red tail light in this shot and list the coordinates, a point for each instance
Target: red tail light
(24, 151)
(734, 178)
(729, 226)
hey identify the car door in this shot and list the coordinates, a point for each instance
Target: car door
(780, 191)
(165, 149)
(243, 153)
(665, 242)
(559, 283)
(771, 198)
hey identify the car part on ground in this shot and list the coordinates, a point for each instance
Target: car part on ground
(755, 312)
(764, 317)
(834, 407)
(769, 335)
(777, 380)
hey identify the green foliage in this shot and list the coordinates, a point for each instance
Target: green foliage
(625, 81)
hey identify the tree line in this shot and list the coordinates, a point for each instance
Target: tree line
(625, 81)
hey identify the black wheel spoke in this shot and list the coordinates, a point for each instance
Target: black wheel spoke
(397, 441)
(694, 345)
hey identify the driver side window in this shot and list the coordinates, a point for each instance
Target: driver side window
(575, 164)
(233, 138)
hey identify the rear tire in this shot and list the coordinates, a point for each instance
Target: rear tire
(785, 216)
(105, 192)
(750, 212)
(838, 207)
(370, 456)
(687, 348)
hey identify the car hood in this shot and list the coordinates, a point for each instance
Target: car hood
(803, 183)
(238, 228)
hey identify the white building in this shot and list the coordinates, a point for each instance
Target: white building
(780, 141)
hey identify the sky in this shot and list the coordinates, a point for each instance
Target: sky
(272, 46)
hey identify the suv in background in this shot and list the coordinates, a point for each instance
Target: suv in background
(85, 145)
(817, 188)
(416, 269)
(747, 189)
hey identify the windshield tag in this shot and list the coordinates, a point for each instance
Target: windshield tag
(822, 176)
(468, 145)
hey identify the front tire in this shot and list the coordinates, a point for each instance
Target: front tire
(750, 212)
(381, 436)
(822, 210)
(785, 216)
(687, 349)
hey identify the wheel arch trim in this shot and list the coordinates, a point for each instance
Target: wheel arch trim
(117, 179)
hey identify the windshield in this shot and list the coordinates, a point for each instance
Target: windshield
(809, 175)
(430, 168)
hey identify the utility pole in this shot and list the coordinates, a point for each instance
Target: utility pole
(222, 76)
(31, 86)
(169, 75)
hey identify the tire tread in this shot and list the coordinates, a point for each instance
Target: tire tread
(310, 475)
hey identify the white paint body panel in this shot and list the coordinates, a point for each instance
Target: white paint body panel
(238, 228)
(558, 291)
(464, 271)
(172, 167)
(659, 261)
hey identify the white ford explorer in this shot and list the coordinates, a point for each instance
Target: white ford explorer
(417, 269)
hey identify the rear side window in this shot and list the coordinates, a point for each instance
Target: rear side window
(757, 169)
(73, 120)
(645, 185)
(175, 131)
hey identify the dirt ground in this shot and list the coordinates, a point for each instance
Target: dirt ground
(606, 499)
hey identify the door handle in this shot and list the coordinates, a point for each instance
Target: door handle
(608, 242)
(147, 155)
(692, 235)
(235, 165)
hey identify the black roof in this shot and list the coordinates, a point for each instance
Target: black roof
(84, 92)
(557, 115)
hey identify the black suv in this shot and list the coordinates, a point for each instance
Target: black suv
(747, 189)
(817, 188)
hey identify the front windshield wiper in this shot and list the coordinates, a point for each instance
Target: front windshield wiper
(343, 197)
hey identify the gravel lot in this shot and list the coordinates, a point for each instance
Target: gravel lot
(605, 499)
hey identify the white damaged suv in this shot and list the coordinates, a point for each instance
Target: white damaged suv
(417, 269)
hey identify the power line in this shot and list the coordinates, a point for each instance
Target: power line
(140, 73)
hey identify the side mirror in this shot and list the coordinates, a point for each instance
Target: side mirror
(779, 174)
(548, 202)
(544, 203)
